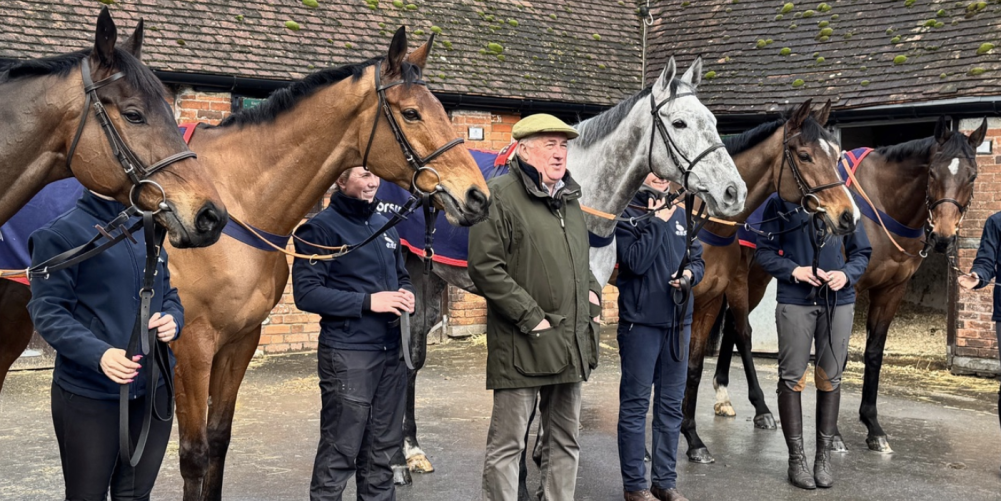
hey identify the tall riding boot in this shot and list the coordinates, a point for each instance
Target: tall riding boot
(828, 403)
(791, 414)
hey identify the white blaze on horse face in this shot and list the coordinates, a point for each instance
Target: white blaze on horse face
(830, 148)
(954, 166)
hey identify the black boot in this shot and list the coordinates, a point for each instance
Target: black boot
(791, 414)
(828, 403)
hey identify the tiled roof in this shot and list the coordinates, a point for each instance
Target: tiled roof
(577, 51)
(764, 54)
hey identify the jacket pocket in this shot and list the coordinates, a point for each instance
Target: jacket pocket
(544, 352)
(594, 331)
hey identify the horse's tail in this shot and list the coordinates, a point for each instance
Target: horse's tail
(716, 333)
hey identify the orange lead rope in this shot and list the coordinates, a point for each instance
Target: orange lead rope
(858, 186)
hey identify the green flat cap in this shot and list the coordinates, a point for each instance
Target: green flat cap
(541, 122)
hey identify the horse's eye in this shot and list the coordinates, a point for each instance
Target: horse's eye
(134, 117)
(804, 156)
(411, 115)
(679, 124)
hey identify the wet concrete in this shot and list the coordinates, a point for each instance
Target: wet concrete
(947, 447)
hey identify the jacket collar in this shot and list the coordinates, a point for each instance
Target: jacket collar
(103, 210)
(352, 207)
(531, 180)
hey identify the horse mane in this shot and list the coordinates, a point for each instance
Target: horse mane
(591, 130)
(748, 139)
(137, 75)
(955, 146)
(810, 131)
(286, 98)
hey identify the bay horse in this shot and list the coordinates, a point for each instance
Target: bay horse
(44, 111)
(610, 159)
(271, 165)
(796, 157)
(924, 186)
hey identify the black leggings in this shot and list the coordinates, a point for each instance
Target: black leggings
(87, 431)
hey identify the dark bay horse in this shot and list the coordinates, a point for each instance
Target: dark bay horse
(42, 104)
(611, 158)
(797, 157)
(925, 183)
(272, 164)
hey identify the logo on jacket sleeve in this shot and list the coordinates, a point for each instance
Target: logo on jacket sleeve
(390, 243)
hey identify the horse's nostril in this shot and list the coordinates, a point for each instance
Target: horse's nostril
(476, 200)
(731, 193)
(209, 218)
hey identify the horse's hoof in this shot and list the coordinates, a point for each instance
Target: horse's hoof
(419, 463)
(879, 444)
(765, 421)
(401, 475)
(838, 445)
(724, 409)
(701, 456)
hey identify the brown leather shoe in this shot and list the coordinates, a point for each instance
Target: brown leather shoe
(643, 495)
(667, 494)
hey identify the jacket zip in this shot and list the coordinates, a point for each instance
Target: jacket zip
(385, 275)
(573, 265)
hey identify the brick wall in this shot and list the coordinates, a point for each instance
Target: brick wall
(208, 107)
(975, 349)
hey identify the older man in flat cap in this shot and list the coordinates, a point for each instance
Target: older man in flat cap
(530, 262)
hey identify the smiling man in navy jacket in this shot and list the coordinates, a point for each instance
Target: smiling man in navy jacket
(649, 255)
(359, 298)
(87, 313)
(813, 309)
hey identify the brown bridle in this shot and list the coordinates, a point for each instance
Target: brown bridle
(134, 168)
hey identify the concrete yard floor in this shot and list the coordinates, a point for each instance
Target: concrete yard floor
(947, 444)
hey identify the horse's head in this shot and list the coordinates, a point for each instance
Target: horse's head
(687, 140)
(951, 172)
(452, 176)
(809, 172)
(139, 114)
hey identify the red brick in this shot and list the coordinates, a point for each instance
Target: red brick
(276, 329)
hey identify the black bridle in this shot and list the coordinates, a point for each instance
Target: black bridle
(806, 191)
(694, 220)
(418, 196)
(930, 226)
(134, 168)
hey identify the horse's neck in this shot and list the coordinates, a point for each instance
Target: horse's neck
(611, 170)
(899, 188)
(272, 173)
(759, 167)
(40, 115)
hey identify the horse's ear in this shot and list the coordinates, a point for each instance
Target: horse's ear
(105, 37)
(666, 77)
(694, 74)
(419, 57)
(977, 137)
(397, 52)
(942, 132)
(799, 116)
(134, 44)
(823, 114)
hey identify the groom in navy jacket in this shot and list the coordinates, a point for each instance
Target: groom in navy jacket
(359, 297)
